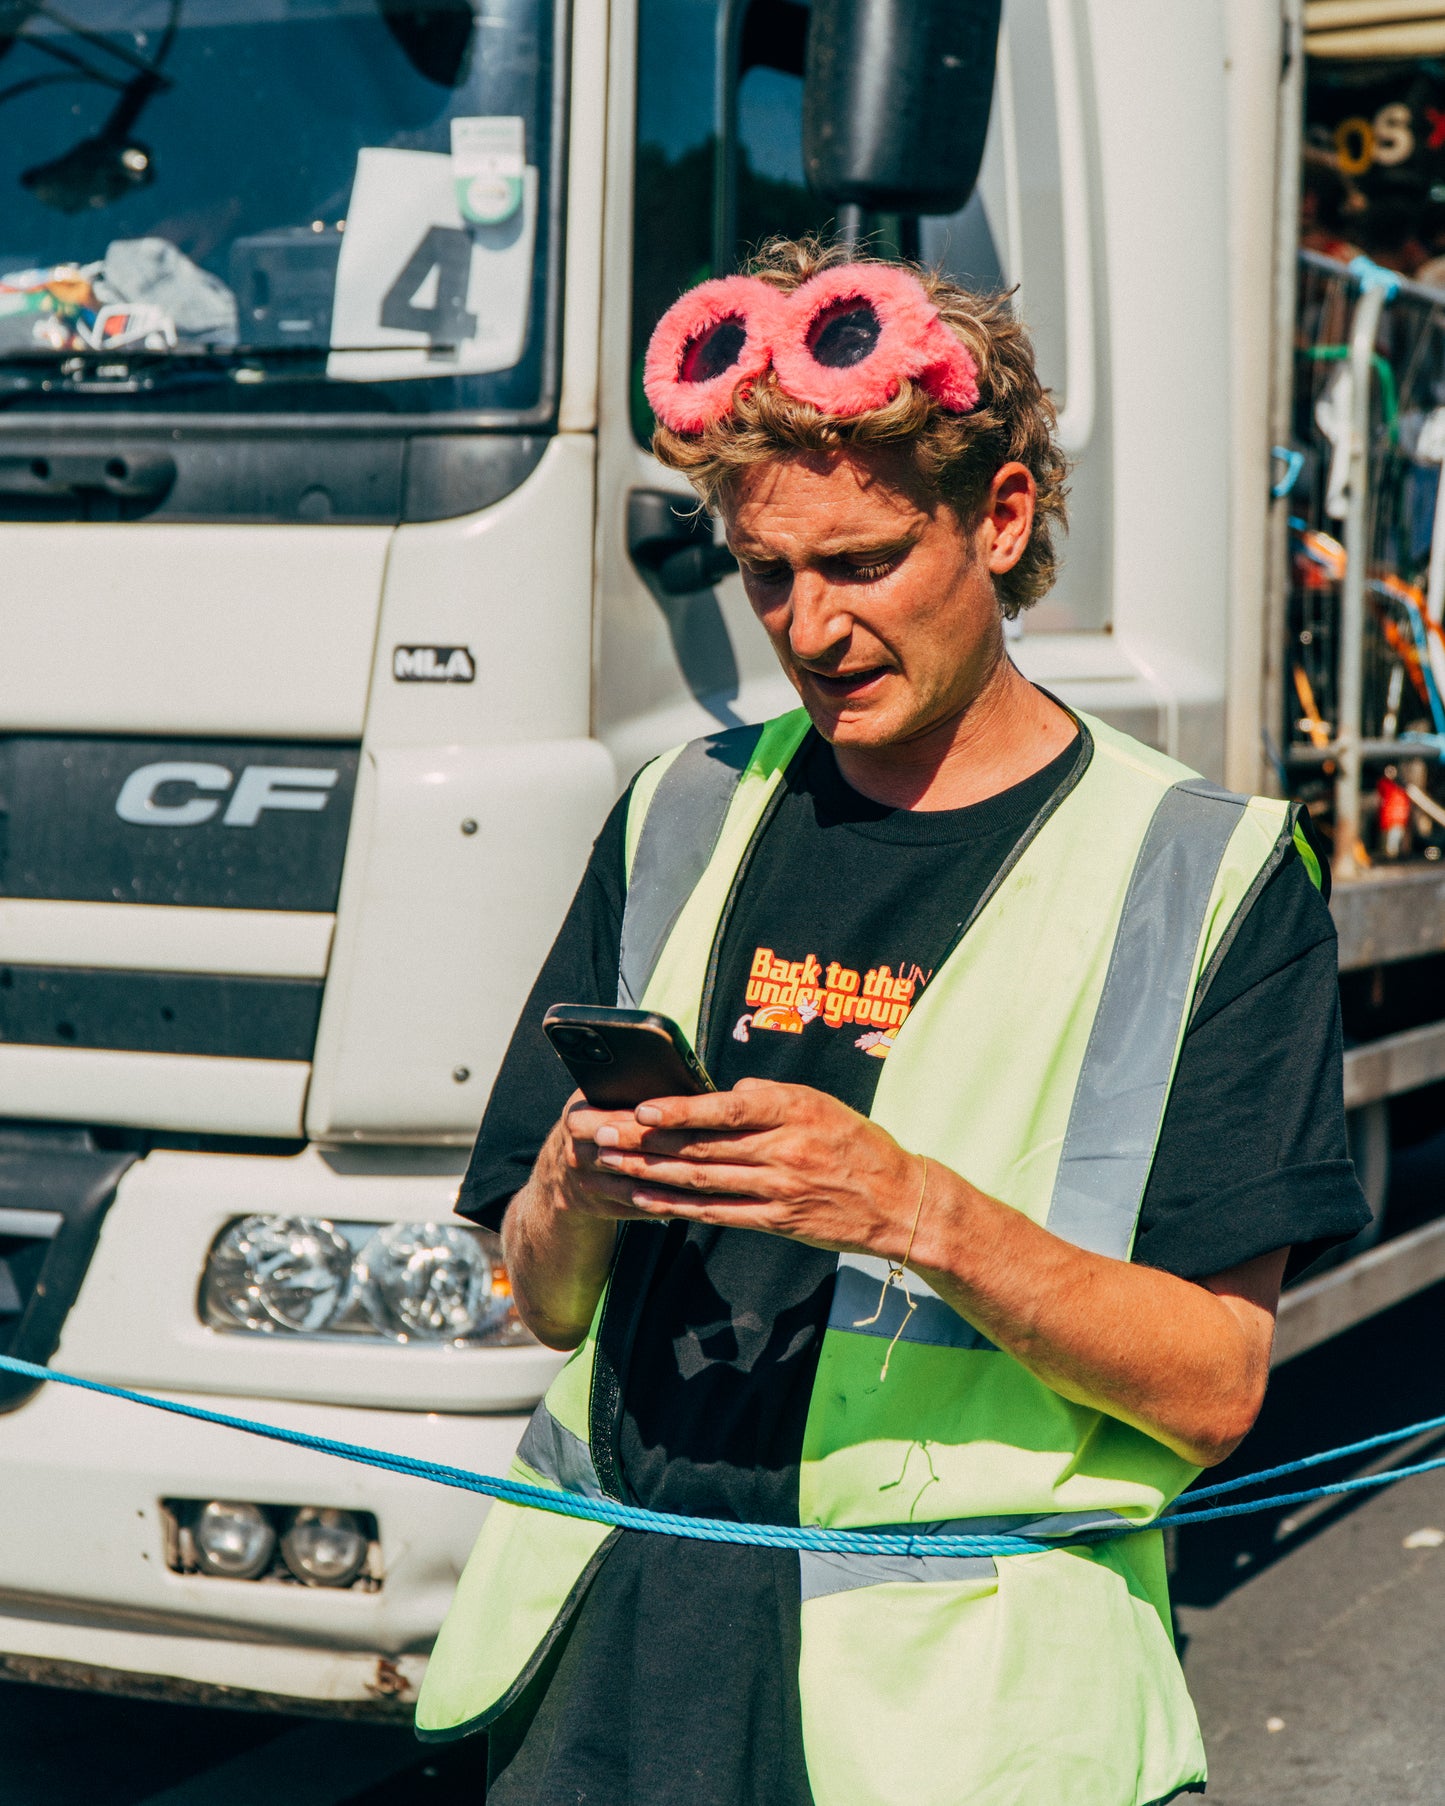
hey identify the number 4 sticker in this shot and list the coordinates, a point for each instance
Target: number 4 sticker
(430, 293)
(420, 292)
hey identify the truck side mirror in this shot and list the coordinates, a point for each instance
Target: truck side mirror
(896, 101)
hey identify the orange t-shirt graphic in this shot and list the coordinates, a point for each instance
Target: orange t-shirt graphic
(786, 995)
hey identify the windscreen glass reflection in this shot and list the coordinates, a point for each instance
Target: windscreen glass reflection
(240, 193)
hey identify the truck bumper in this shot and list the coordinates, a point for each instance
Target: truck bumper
(87, 1598)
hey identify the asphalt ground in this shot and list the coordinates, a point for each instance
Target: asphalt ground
(1314, 1639)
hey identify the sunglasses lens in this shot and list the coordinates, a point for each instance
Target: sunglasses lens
(713, 351)
(844, 334)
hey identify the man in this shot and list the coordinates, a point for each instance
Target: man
(1028, 1062)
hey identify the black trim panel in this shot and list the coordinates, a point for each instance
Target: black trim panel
(159, 1012)
(336, 477)
(45, 1168)
(221, 824)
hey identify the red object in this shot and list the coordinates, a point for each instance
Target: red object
(1394, 807)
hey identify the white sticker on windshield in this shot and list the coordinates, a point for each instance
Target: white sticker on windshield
(488, 158)
(419, 291)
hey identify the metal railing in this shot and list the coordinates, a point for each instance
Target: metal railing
(1366, 671)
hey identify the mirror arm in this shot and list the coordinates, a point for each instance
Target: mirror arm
(730, 15)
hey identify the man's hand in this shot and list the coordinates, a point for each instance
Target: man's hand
(568, 1162)
(561, 1228)
(784, 1158)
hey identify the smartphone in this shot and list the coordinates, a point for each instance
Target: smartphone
(621, 1058)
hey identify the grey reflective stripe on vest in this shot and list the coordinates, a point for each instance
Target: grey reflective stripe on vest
(823, 1574)
(856, 1300)
(683, 822)
(1119, 1100)
(554, 1452)
(829, 1573)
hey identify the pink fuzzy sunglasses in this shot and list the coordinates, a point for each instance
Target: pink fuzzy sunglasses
(842, 341)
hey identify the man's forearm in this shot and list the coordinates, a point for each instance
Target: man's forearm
(557, 1258)
(1185, 1363)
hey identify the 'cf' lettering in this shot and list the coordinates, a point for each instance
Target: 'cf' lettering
(137, 800)
(259, 788)
(276, 787)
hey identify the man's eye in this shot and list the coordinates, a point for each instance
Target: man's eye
(768, 573)
(870, 573)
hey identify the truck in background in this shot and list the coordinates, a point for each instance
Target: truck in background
(341, 595)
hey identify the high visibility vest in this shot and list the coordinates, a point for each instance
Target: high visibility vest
(1037, 1063)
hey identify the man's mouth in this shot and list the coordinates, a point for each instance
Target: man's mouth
(843, 686)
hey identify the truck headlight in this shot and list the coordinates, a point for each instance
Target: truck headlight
(279, 1273)
(431, 1281)
(435, 1283)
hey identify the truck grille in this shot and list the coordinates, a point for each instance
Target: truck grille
(194, 824)
(160, 1012)
(219, 824)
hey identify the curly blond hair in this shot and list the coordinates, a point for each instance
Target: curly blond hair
(955, 455)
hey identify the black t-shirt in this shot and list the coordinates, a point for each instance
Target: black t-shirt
(855, 906)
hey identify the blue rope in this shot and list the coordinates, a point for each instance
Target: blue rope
(1298, 1467)
(776, 1536)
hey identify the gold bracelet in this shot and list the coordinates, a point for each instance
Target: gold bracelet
(895, 1277)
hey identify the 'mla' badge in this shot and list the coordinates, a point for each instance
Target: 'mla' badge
(433, 665)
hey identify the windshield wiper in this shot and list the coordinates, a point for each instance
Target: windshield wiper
(131, 370)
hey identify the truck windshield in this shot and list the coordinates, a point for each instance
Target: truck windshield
(325, 204)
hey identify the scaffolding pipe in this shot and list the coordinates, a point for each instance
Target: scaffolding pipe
(1364, 331)
(1274, 672)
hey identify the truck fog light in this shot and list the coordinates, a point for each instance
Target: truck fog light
(429, 1281)
(324, 1548)
(237, 1541)
(271, 1273)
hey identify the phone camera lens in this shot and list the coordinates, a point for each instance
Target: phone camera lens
(582, 1044)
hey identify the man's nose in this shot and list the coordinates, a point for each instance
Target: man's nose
(819, 622)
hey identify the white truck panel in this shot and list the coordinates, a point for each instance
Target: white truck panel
(229, 630)
(1253, 40)
(1091, 671)
(1164, 243)
(84, 1546)
(418, 992)
(586, 146)
(136, 1321)
(514, 584)
(257, 943)
(187, 1092)
(441, 930)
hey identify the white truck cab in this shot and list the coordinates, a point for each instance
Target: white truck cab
(339, 598)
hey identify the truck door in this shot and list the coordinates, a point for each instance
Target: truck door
(706, 162)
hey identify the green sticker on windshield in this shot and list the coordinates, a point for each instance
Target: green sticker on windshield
(488, 157)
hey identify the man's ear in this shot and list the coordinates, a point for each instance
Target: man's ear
(1009, 512)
